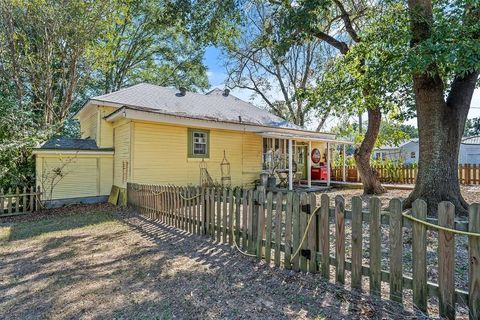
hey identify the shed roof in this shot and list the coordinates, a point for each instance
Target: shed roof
(72, 144)
(211, 106)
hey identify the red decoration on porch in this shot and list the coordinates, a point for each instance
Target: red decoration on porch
(316, 155)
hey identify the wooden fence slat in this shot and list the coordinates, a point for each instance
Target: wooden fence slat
(231, 217)
(324, 235)
(207, 211)
(245, 220)
(357, 232)
(225, 215)
(340, 238)
(24, 200)
(9, 200)
(260, 223)
(17, 200)
(268, 223)
(396, 250)
(375, 246)
(419, 255)
(303, 229)
(212, 213)
(288, 231)
(446, 259)
(238, 202)
(474, 265)
(278, 228)
(219, 215)
(296, 230)
(251, 223)
(312, 234)
(2, 201)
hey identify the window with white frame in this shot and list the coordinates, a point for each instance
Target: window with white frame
(198, 143)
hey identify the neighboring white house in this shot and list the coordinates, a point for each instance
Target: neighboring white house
(408, 151)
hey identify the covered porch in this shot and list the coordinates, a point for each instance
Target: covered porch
(302, 160)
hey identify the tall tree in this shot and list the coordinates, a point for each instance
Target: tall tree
(43, 50)
(148, 42)
(283, 79)
(338, 24)
(445, 37)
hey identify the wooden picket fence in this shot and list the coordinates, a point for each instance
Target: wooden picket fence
(468, 174)
(271, 226)
(19, 201)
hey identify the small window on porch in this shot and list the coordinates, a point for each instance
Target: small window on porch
(198, 143)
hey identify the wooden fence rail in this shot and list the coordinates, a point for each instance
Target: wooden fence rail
(19, 201)
(468, 174)
(293, 230)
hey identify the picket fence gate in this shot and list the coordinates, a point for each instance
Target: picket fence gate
(272, 226)
(19, 201)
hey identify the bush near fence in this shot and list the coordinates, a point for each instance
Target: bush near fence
(291, 230)
(468, 174)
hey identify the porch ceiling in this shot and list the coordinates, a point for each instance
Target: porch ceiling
(301, 137)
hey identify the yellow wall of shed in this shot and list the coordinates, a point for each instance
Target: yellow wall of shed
(94, 126)
(122, 161)
(159, 155)
(83, 175)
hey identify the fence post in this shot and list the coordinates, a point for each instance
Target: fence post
(446, 260)
(288, 231)
(324, 235)
(278, 227)
(312, 234)
(268, 223)
(303, 230)
(340, 238)
(357, 232)
(296, 229)
(419, 255)
(260, 222)
(396, 249)
(474, 265)
(375, 243)
(225, 214)
(251, 222)
(245, 219)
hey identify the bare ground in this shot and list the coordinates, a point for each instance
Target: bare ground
(89, 262)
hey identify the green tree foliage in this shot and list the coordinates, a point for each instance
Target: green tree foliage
(55, 54)
(472, 127)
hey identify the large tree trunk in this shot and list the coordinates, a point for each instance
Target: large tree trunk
(440, 123)
(440, 127)
(371, 184)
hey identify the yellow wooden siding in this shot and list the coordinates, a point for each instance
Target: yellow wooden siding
(89, 125)
(105, 135)
(160, 155)
(82, 175)
(122, 155)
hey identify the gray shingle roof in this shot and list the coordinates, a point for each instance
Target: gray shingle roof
(211, 106)
(471, 140)
(72, 144)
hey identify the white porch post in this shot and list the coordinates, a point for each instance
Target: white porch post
(309, 164)
(343, 168)
(290, 165)
(328, 164)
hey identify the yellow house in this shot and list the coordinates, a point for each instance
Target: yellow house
(156, 135)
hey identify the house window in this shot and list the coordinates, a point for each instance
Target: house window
(198, 143)
(412, 155)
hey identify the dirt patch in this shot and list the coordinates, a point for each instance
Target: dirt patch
(126, 266)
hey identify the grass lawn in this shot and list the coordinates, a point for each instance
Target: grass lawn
(91, 262)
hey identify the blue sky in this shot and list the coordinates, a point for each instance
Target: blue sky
(216, 74)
